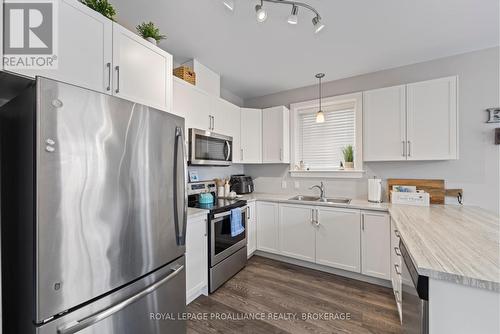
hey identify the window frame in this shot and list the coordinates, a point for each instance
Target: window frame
(297, 108)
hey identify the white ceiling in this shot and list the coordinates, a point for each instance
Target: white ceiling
(361, 36)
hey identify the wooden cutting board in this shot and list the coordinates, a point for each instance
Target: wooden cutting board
(435, 188)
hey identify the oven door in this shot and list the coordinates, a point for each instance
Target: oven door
(208, 148)
(222, 244)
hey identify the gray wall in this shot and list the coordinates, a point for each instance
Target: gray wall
(477, 171)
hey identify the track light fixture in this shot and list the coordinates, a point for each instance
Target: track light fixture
(229, 4)
(293, 18)
(261, 13)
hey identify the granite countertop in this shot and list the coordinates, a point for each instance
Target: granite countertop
(459, 244)
(195, 213)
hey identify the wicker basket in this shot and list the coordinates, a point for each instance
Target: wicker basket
(186, 74)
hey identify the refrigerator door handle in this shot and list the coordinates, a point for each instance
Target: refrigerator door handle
(95, 318)
(180, 234)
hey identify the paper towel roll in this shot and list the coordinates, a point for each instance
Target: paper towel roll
(375, 190)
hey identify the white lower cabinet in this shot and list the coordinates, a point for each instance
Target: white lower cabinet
(375, 245)
(348, 239)
(196, 258)
(396, 263)
(296, 232)
(251, 229)
(338, 239)
(268, 227)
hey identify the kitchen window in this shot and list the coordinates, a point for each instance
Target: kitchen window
(319, 145)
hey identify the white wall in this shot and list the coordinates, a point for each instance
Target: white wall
(477, 171)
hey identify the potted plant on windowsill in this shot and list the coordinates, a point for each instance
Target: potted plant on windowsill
(150, 32)
(101, 6)
(348, 154)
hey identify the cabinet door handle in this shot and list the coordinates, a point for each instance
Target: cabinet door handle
(312, 216)
(213, 122)
(209, 122)
(317, 218)
(396, 268)
(362, 222)
(403, 151)
(281, 154)
(108, 65)
(409, 148)
(241, 158)
(117, 68)
(396, 233)
(397, 251)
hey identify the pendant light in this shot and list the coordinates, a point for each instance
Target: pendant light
(320, 115)
(261, 12)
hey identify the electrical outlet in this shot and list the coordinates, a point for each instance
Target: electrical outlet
(296, 185)
(283, 184)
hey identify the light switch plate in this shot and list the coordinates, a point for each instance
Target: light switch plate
(283, 184)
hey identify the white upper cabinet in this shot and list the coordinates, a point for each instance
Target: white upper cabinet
(432, 120)
(417, 121)
(226, 120)
(142, 72)
(376, 245)
(251, 135)
(192, 104)
(338, 239)
(84, 48)
(384, 121)
(276, 135)
(297, 234)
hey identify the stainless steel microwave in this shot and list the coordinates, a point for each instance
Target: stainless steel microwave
(209, 148)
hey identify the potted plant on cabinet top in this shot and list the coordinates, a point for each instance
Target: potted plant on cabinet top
(101, 6)
(348, 153)
(150, 32)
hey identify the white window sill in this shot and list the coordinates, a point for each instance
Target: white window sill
(337, 174)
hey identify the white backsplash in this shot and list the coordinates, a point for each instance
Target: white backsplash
(211, 172)
(271, 178)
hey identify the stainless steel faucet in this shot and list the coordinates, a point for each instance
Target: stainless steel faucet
(321, 188)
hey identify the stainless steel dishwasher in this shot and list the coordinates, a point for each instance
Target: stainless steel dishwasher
(415, 296)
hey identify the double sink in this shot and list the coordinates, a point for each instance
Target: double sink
(331, 200)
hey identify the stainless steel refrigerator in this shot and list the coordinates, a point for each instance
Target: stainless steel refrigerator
(93, 212)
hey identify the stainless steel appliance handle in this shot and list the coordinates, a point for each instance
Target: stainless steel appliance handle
(228, 150)
(180, 234)
(95, 318)
(108, 65)
(227, 213)
(117, 68)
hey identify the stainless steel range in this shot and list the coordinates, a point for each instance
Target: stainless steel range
(227, 253)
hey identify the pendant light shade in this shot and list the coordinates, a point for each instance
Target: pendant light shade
(320, 115)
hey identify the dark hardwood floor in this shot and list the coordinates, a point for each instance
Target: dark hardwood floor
(261, 297)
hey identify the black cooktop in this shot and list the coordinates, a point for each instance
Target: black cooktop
(219, 205)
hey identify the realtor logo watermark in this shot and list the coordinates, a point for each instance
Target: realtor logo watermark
(30, 34)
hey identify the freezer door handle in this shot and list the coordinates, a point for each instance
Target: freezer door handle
(79, 325)
(179, 141)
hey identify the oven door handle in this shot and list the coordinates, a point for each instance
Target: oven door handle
(227, 213)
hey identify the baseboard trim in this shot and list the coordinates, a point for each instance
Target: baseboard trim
(340, 272)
